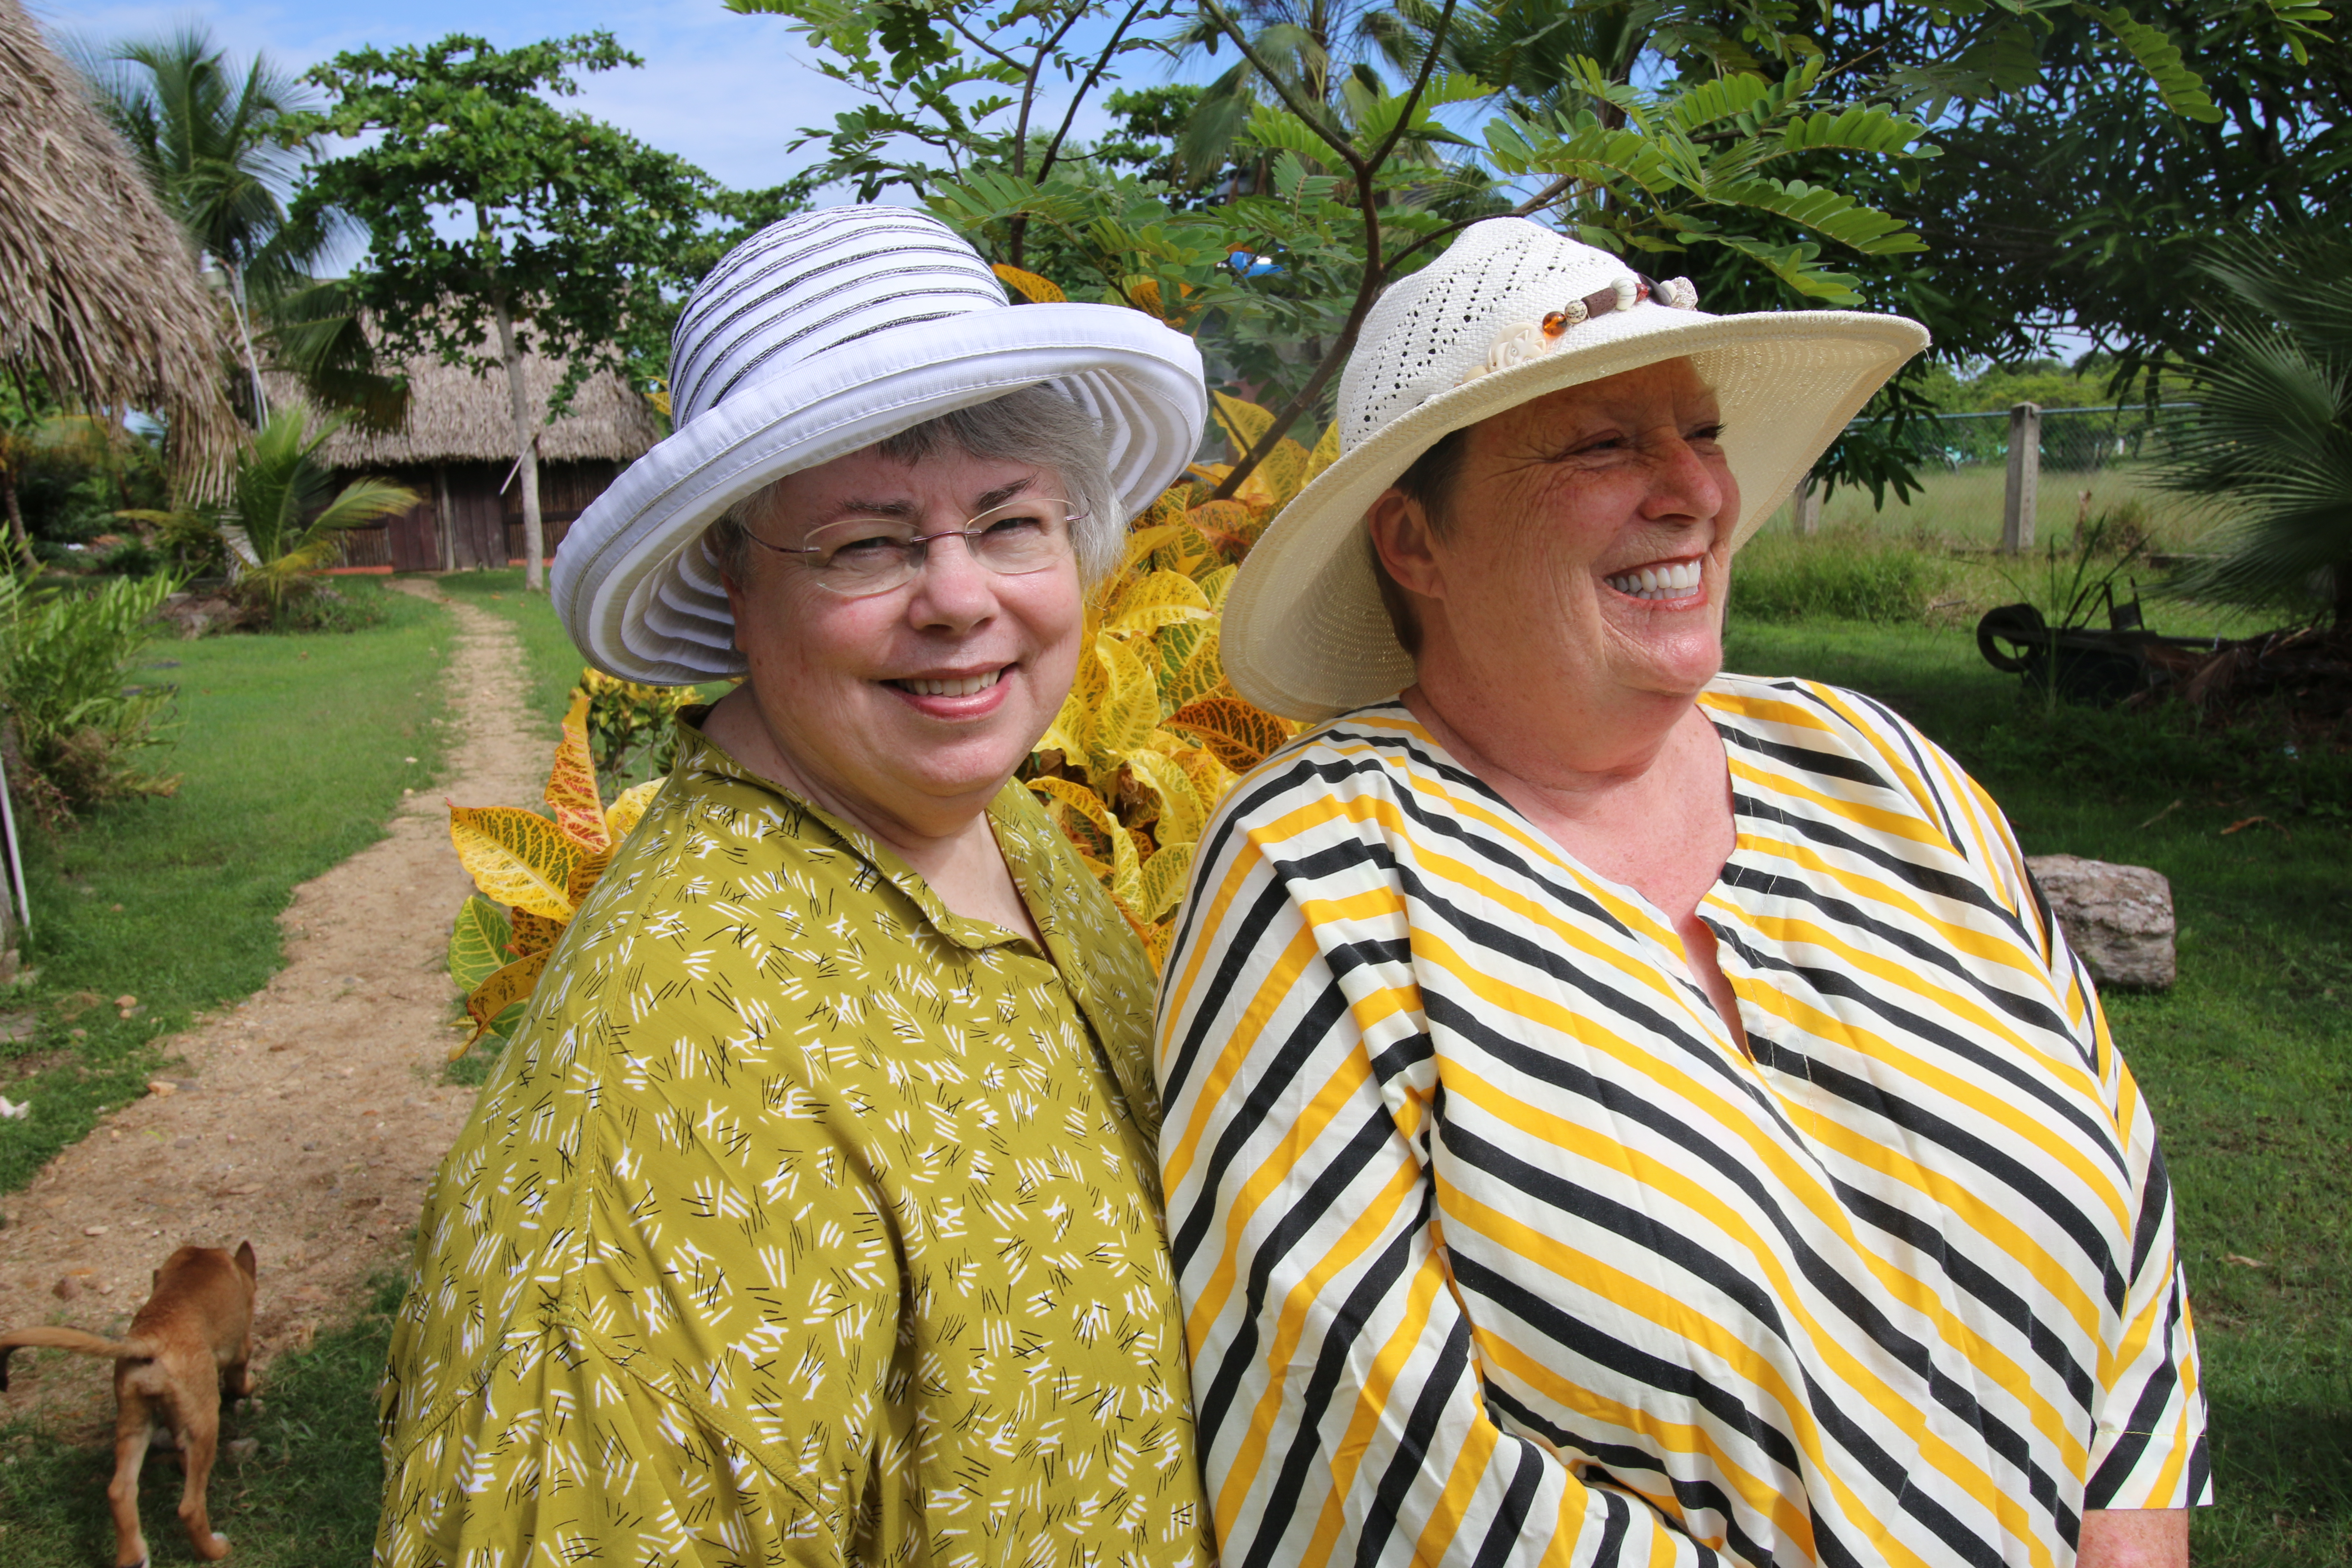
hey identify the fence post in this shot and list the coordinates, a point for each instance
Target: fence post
(2024, 478)
(1809, 506)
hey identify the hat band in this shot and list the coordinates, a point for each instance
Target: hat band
(1525, 340)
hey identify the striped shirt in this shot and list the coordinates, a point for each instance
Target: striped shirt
(1495, 1249)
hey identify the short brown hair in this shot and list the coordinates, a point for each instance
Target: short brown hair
(1428, 483)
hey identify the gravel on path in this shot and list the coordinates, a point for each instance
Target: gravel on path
(308, 1117)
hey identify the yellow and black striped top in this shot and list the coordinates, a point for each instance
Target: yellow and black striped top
(1495, 1248)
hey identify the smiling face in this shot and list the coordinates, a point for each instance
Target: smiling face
(908, 710)
(1577, 570)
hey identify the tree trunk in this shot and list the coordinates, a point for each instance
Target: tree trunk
(245, 332)
(17, 521)
(534, 550)
(445, 529)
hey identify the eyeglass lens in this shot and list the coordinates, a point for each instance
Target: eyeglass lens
(874, 554)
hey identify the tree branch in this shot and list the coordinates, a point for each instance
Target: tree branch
(1102, 63)
(982, 45)
(1029, 89)
(1376, 269)
(1420, 85)
(1528, 208)
(1312, 117)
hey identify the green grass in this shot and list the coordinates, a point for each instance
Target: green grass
(306, 1498)
(1850, 574)
(293, 750)
(1964, 505)
(555, 664)
(2247, 1062)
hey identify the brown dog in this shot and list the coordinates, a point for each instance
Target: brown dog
(187, 1347)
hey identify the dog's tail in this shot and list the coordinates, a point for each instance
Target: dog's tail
(67, 1340)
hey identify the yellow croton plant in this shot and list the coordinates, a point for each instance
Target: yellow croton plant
(1147, 745)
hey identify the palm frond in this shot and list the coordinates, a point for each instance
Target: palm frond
(2270, 453)
(363, 501)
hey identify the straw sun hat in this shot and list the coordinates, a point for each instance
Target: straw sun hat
(1512, 312)
(819, 336)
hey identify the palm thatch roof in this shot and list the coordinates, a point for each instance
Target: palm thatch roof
(98, 289)
(455, 416)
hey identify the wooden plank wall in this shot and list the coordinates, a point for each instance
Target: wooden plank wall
(485, 527)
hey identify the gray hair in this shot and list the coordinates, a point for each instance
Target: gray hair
(1040, 426)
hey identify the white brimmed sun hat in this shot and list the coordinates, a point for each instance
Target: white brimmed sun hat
(816, 337)
(1511, 311)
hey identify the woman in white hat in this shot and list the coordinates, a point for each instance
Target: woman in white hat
(1617, 1113)
(811, 1216)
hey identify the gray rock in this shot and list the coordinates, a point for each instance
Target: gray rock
(2117, 919)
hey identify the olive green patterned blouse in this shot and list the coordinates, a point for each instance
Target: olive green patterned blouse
(802, 1222)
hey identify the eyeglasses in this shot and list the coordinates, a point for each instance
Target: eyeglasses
(857, 557)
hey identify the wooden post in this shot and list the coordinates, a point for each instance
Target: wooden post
(447, 522)
(2024, 478)
(1809, 506)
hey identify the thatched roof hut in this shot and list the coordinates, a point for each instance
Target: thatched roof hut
(98, 289)
(456, 451)
(455, 416)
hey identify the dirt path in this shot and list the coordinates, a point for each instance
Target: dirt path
(308, 1117)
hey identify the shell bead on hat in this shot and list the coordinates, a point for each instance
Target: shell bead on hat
(1529, 340)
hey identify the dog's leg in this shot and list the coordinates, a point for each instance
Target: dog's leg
(237, 1378)
(134, 1420)
(199, 1435)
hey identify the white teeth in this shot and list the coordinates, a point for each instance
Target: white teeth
(965, 687)
(1675, 581)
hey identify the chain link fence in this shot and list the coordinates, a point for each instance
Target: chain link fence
(2073, 440)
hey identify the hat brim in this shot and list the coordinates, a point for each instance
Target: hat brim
(643, 599)
(1305, 634)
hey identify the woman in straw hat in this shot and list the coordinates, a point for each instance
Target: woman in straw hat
(1618, 1113)
(811, 1216)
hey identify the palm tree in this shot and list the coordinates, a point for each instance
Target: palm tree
(204, 129)
(1531, 52)
(279, 526)
(2271, 446)
(1325, 52)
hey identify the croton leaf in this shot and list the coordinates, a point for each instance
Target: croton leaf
(1029, 285)
(572, 792)
(629, 807)
(477, 941)
(516, 858)
(532, 933)
(503, 990)
(1162, 881)
(1240, 734)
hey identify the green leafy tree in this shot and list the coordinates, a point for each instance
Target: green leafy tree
(2271, 446)
(211, 135)
(956, 86)
(575, 227)
(1644, 169)
(1773, 156)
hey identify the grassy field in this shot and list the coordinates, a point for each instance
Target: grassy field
(1963, 507)
(292, 752)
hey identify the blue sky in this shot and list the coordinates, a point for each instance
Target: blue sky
(724, 91)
